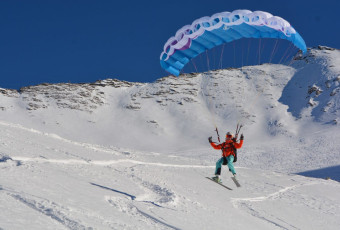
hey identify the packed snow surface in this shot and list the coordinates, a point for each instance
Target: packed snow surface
(120, 155)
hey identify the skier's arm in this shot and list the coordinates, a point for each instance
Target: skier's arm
(239, 145)
(215, 146)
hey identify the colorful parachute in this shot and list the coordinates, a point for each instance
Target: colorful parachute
(208, 32)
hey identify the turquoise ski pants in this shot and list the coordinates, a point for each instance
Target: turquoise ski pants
(230, 165)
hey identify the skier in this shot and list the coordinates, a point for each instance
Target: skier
(228, 154)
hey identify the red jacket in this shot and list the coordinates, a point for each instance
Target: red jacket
(227, 147)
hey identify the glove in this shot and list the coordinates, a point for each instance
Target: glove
(210, 139)
(234, 139)
(242, 137)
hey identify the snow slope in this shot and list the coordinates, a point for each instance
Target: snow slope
(316, 84)
(120, 155)
(53, 183)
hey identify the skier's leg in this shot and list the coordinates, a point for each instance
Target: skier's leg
(231, 165)
(218, 166)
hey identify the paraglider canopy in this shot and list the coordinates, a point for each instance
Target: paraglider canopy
(208, 32)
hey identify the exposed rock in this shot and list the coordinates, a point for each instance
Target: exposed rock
(335, 91)
(325, 48)
(311, 102)
(133, 107)
(316, 89)
(85, 97)
(9, 92)
(114, 83)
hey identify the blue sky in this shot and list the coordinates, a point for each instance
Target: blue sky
(83, 41)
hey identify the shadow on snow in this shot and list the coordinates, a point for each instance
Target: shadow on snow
(132, 197)
(324, 173)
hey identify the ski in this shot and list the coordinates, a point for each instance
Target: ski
(219, 183)
(236, 182)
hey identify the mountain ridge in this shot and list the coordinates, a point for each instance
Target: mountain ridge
(276, 100)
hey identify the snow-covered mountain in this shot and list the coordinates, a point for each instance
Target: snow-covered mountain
(114, 112)
(119, 155)
(316, 85)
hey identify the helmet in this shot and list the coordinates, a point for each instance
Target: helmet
(229, 135)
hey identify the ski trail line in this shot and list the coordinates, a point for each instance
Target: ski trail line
(270, 196)
(103, 163)
(50, 210)
(55, 136)
(258, 213)
(156, 220)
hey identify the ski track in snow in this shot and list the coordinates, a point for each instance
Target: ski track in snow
(156, 220)
(125, 206)
(246, 203)
(131, 209)
(55, 136)
(270, 196)
(135, 205)
(49, 209)
(104, 163)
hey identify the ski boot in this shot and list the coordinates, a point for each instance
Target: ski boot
(217, 179)
(235, 176)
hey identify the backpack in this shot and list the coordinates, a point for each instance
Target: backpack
(235, 151)
(225, 161)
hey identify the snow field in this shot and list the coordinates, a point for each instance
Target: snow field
(88, 187)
